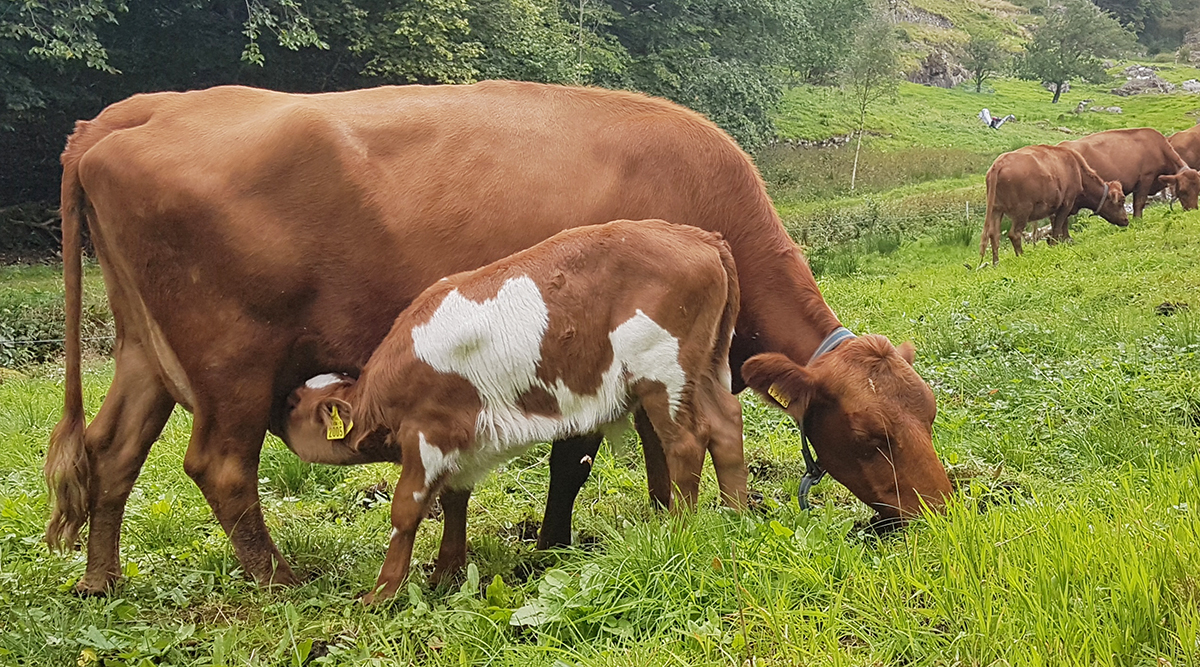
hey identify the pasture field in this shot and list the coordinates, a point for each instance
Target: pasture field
(1069, 414)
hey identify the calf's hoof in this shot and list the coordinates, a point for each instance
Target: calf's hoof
(446, 572)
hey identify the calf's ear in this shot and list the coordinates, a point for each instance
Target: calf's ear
(338, 419)
(1115, 193)
(781, 381)
(1168, 179)
(907, 352)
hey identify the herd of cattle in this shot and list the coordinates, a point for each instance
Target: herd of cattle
(1095, 172)
(440, 276)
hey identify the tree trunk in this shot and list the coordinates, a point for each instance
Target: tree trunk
(1057, 92)
(979, 82)
(862, 121)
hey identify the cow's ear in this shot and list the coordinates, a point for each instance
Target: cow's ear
(1116, 193)
(337, 416)
(907, 352)
(782, 382)
(1168, 179)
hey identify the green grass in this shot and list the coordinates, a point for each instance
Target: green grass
(1069, 411)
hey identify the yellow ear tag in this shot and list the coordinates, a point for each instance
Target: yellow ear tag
(337, 428)
(774, 393)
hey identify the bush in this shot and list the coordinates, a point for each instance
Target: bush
(32, 319)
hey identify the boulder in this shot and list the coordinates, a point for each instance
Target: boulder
(1191, 47)
(1190, 86)
(939, 70)
(1141, 79)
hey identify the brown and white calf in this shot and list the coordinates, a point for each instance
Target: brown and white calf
(563, 339)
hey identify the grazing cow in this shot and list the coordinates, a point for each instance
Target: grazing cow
(562, 339)
(1142, 160)
(1187, 145)
(251, 239)
(1037, 182)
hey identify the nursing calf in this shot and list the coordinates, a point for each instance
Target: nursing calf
(564, 339)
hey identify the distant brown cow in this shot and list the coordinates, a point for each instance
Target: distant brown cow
(559, 340)
(1187, 145)
(1142, 160)
(1037, 182)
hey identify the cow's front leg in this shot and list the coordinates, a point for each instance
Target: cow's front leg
(414, 494)
(571, 462)
(452, 555)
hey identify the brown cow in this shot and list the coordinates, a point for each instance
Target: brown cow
(565, 338)
(1187, 145)
(1037, 182)
(1142, 160)
(251, 239)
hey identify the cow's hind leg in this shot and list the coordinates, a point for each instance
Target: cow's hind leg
(1014, 235)
(222, 459)
(570, 464)
(132, 415)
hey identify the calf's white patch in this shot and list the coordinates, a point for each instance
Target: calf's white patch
(496, 345)
(324, 380)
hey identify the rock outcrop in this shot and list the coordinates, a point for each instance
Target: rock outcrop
(1141, 79)
(938, 70)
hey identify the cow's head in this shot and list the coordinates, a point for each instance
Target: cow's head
(1185, 186)
(869, 417)
(320, 418)
(1112, 207)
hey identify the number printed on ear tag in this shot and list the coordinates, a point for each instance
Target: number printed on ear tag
(337, 429)
(774, 393)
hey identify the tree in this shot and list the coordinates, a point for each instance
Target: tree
(983, 58)
(1069, 43)
(872, 71)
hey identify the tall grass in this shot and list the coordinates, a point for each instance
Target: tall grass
(1067, 413)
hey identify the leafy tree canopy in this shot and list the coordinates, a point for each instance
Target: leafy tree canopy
(1070, 42)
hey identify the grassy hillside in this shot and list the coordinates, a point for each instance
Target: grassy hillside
(1068, 411)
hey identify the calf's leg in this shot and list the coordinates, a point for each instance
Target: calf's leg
(724, 417)
(132, 415)
(683, 450)
(410, 503)
(658, 478)
(452, 554)
(570, 465)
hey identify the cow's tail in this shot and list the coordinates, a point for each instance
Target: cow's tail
(66, 469)
(991, 222)
(733, 302)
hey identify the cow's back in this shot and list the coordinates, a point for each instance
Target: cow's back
(293, 228)
(1031, 181)
(1127, 155)
(1187, 144)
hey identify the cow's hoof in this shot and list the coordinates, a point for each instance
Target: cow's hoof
(90, 587)
(446, 573)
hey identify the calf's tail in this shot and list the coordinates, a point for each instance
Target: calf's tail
(67, 467)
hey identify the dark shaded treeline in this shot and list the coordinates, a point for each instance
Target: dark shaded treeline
(65, 60)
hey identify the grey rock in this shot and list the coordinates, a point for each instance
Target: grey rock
(1190, 86)
(939, 70)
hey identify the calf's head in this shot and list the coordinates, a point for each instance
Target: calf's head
(1185, 185)
(869, 417)
(1112, 207)
(320, 416)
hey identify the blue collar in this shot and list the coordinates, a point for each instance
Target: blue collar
(837, 337)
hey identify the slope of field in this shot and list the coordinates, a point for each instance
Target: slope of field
(1069, 411)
